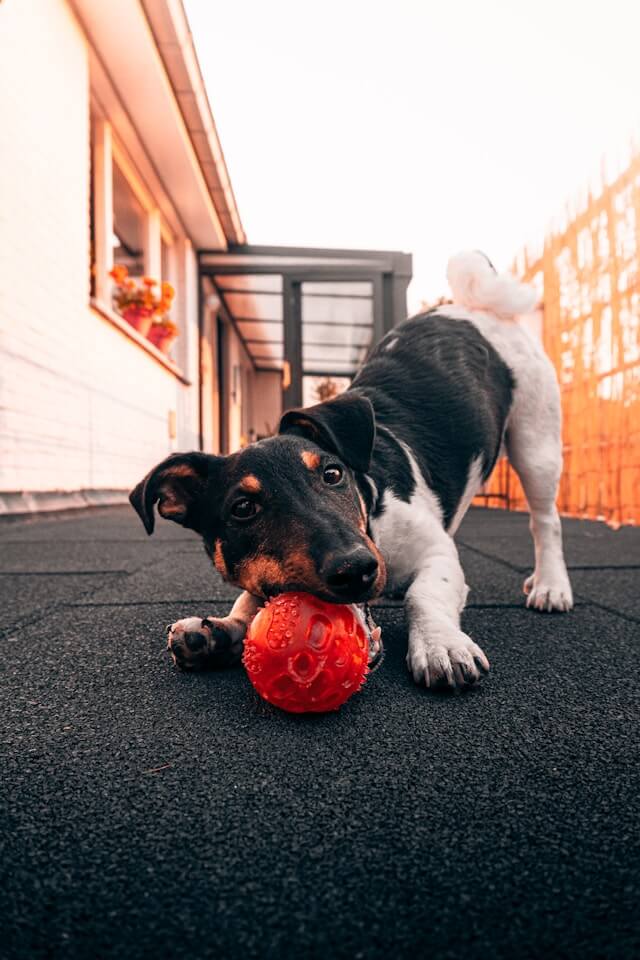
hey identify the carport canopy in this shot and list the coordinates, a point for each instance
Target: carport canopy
(308, 312)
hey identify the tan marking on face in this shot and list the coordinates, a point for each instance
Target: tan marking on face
(300, 568)
(311, 460)
(250, 484)
(362, 522)
(219, 561)
(256, 572)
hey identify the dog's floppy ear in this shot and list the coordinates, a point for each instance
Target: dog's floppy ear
(345, 426)
(178, 483)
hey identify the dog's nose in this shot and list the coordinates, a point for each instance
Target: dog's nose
(351, 574)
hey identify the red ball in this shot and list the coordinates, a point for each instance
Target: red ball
(305, 655)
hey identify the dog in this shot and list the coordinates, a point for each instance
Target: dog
(368, 489)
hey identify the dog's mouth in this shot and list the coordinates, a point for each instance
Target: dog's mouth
(355, 574)
(366, 596)
(351, 592)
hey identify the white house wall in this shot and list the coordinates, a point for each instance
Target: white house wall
(81, 405)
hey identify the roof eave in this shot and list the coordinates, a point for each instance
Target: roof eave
(133, 81)
(170, 27)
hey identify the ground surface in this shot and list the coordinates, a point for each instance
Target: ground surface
(144, 812)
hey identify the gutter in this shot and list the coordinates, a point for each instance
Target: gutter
(170, 27)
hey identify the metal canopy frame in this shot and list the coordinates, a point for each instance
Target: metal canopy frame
(388, 274)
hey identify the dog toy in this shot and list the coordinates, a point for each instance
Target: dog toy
(307, 656)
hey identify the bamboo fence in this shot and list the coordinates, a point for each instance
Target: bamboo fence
(588, 274)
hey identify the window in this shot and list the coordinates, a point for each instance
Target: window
(129, 226)
(128, 231)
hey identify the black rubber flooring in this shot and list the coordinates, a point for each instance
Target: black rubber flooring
(147, 813)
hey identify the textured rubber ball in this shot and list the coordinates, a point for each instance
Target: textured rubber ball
(304, 655)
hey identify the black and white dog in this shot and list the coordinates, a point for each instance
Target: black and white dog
(370, 487)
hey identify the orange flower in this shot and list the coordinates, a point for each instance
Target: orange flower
(139, 294)
(119, 273)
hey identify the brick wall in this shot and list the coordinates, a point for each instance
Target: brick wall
(81, 405)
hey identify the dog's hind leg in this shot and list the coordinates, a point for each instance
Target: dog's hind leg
(210, 643)
(534, 447)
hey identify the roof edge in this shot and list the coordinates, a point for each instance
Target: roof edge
(169, 25)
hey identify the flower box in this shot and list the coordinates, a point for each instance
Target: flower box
(140, 306)
(163, 335)
(140, 318)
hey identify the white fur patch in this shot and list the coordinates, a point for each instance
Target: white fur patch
(403, 529)
(474, 482)
(475, 284)
(439, 652)
(555, 594)
(533, 429)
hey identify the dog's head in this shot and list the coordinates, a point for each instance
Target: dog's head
(285, 513)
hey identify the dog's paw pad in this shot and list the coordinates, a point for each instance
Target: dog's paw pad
(451, 665)
(197, 644)
(548, 597)
(195, 640)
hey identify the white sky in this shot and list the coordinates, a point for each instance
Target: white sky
(416, 125)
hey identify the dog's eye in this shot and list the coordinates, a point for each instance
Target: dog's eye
(332, 475)
(245, 509)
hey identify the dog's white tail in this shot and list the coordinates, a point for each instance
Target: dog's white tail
(476, 285)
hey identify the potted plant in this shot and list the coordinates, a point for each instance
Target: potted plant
(140, 305)
(162, 334)
(163, 331)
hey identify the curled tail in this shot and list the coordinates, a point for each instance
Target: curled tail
(476, 285)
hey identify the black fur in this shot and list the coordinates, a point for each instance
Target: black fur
(177, 485)
(444, 392)
(441, 393)
(390, 468)
(345, 426)
(306, 534)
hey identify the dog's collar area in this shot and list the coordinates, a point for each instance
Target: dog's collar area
(376, 647)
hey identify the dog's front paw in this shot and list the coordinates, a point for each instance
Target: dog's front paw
(548, 595)
(209, 644)
(451, 663)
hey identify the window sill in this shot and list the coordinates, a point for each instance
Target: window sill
(117, 321)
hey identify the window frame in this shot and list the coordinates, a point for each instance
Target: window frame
(105, 151)
(150, 258)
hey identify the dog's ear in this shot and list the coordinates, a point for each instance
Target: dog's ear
(178, 484)
(345, 426)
